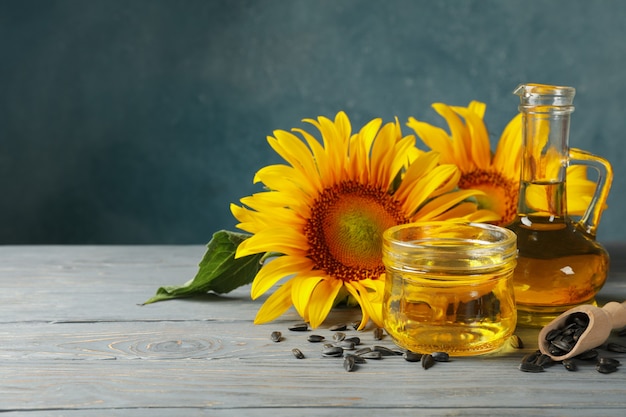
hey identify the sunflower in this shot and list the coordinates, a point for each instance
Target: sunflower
(325, 213)
(496, 174)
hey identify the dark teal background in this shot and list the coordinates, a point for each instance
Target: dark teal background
(141, 121)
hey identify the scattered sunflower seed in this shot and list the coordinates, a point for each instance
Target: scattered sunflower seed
(530, 367)
(349, 363)
(570, 365)
(616, 347)
(385, 351)
(356, 325)
(299, 327)
(338, 327)
(357, 358)
(346, 345)
(427, 361)
(276, 336)
(544, 360)
(412, 356)
(297, 353)
(516, 342)
(374, 354)
(339, 336)
(609, 361)
(378, 333)
(332, 351)
(606, 368)
(363, 350)
(354, 339)
(315, 338)
(440, 356)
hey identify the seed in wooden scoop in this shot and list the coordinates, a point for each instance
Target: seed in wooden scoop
(276, 336)
(297, 353)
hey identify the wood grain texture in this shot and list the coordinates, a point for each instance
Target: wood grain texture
(74, 341)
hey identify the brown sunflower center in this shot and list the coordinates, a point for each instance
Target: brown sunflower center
(501, 192)
(345, 230)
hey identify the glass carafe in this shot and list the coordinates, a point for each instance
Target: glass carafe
(560, 264)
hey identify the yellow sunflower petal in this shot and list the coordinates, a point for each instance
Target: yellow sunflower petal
(440, 205)
(357, 296)
(275, 305)
(479, 138)
(460, 136)
(322, 300)
(283, 240)
(276, 269)
(301, 293)
(435, 138)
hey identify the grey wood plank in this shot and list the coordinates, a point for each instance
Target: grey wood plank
(73, 341)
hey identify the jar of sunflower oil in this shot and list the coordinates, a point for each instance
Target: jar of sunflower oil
(449, 287)
(560, 263)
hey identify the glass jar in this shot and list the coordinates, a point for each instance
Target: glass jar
(449, 287)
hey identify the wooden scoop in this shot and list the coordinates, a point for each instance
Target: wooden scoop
(601, 322)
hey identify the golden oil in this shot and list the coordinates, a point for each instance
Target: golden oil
(448, 287)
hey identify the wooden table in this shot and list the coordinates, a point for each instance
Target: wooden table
(75, 341)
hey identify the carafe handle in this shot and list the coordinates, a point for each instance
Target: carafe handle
(590, 220)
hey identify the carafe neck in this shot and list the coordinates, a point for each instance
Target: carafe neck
(546, 114)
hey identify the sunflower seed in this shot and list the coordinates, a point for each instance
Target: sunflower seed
(412, 356)
(339, 336)
(385, 351)
(338, 327)
(609, 361)
(544, 360)
(378, 333)
(297, 353)
(276, 336)
(427, 361)
(315, 338)
(354, 339)
(374, 354)
(570, 365)
(356, 325)
(299, 327)
(531, 357)
(616, 347)
(553, 334)
(363, 350)
(332, 351)
(346, 345)
(440, 356)
(606, 368)
(516, 342)
(530, 367)
(357, 358)
(349, 363)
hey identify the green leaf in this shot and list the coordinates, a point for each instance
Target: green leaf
(218, 271)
